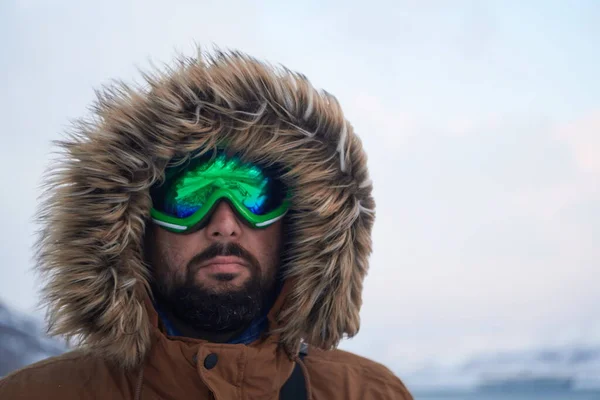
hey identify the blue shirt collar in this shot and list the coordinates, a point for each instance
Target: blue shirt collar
(251, 334)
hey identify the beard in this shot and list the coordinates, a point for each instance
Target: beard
(227, 309)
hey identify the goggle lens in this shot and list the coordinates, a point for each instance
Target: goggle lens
(188, 189)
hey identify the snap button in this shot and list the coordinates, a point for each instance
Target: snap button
(211, 361)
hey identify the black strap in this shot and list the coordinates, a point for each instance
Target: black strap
(295, 387)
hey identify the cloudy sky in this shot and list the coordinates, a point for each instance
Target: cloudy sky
(481, 121)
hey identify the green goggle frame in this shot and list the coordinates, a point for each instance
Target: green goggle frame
(185, 201)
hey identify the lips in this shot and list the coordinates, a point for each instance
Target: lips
(223, 260)
(223, 265)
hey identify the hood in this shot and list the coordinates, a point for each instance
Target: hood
(91, 248)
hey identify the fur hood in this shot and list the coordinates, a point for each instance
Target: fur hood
(91, 247)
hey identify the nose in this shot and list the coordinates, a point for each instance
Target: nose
(223, 224)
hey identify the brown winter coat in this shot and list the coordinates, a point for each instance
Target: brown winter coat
(91, 250)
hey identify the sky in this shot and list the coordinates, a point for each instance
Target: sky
(481, 120)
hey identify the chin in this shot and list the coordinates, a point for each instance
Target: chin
(225, 284)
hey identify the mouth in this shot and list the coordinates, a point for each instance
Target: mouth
(223, 265)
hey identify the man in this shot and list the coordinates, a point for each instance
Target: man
(208, 238)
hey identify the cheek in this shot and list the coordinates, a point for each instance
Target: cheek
(275, 249)
(270, 243)
(172, 257)
(173, 262)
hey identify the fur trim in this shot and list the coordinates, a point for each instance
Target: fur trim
(91, 246)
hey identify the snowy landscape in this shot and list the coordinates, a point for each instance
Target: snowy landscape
(579, 365)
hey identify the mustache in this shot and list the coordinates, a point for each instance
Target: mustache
(222, 249)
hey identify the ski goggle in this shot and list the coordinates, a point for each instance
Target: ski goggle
(185, 201)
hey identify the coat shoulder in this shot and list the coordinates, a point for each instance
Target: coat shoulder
(372, 379)
(72, 375)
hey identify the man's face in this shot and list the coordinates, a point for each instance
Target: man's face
(220, 277)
